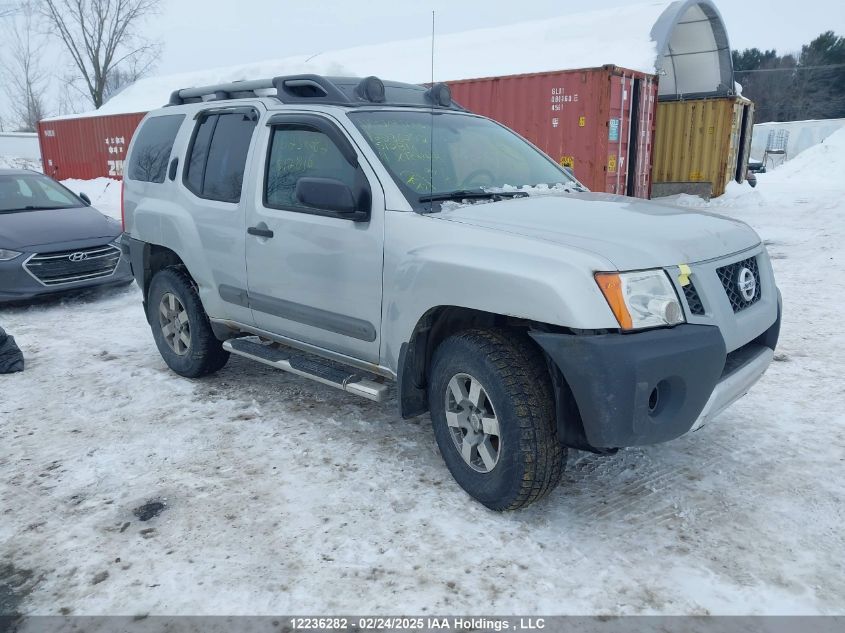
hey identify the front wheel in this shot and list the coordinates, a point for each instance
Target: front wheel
(492, 407)
(180, 325)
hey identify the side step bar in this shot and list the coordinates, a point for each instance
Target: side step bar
(309, 366)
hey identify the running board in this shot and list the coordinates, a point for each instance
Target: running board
(309, 366)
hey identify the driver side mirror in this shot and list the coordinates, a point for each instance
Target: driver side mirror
(84, 197)
(329, 194)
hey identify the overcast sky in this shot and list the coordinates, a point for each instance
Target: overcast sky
(206, 33)
(200, 34)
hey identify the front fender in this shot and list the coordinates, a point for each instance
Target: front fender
(428, 265)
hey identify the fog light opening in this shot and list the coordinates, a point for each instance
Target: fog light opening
(653, 400)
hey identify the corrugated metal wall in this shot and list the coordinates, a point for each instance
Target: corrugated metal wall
(698, 141)
(86, 147)
(580, 118)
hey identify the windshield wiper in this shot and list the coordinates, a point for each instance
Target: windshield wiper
(465, 194)
(36, 208)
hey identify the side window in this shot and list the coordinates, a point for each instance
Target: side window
(152, 148)
(301, 152)
(218, 153)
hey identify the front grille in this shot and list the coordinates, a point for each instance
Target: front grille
(693, 301)
(65, 267)
(729, 276)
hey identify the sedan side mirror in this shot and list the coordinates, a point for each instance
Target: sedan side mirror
(328, 194)
(84, 197)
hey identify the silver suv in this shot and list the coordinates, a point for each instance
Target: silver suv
(357, 232)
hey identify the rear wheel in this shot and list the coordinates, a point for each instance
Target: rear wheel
(180, 325)
(492, 408)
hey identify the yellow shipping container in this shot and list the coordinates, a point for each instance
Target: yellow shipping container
(700, 142)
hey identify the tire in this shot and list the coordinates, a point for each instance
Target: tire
(515, 397)
(193, 351)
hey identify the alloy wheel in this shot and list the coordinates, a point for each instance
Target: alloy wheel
(472, 422)
(175, 326)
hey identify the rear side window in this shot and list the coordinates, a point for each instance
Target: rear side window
(152, 148)
(301, 152)
(217, 156)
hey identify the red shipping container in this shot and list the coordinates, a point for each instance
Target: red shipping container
(599, 121)
(86, 147)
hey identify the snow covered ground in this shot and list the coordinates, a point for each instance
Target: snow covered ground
(286, 496)
(16, 162)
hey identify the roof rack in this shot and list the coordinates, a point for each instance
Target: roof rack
(342, 91)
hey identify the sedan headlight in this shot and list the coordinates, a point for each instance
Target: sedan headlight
(6, 255)
(641, 299)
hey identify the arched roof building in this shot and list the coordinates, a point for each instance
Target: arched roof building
(694, 54)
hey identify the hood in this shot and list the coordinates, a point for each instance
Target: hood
(630, 232)
(36, 228)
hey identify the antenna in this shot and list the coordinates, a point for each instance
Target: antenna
(431, 137)
(432, 47)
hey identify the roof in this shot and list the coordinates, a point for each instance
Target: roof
(684, 41)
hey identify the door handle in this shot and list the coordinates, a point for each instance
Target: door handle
(254, 230)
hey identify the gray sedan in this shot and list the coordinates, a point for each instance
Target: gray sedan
(52, 240)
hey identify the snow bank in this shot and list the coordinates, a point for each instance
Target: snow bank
(822, 164)
(19, 162)
(802, 134)
(104, 193)
(621, 36)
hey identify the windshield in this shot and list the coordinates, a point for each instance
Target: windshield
(33, 192)
(471, 154)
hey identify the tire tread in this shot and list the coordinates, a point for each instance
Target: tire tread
(525, 378)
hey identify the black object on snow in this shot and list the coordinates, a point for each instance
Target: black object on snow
(11, 357)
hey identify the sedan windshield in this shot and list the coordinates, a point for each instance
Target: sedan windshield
(472, 155)
(33, 192)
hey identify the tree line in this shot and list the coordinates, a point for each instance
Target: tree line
(795, 86)
(102, 39)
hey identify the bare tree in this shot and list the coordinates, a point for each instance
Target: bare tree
(7, 9)
(70, 98)
(103, 39)
(125, 75)
(24, 80)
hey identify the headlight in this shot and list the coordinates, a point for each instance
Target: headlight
(7, 255)
(641, 299)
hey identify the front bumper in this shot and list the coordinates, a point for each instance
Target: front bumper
(649, 387)
(17, 285)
